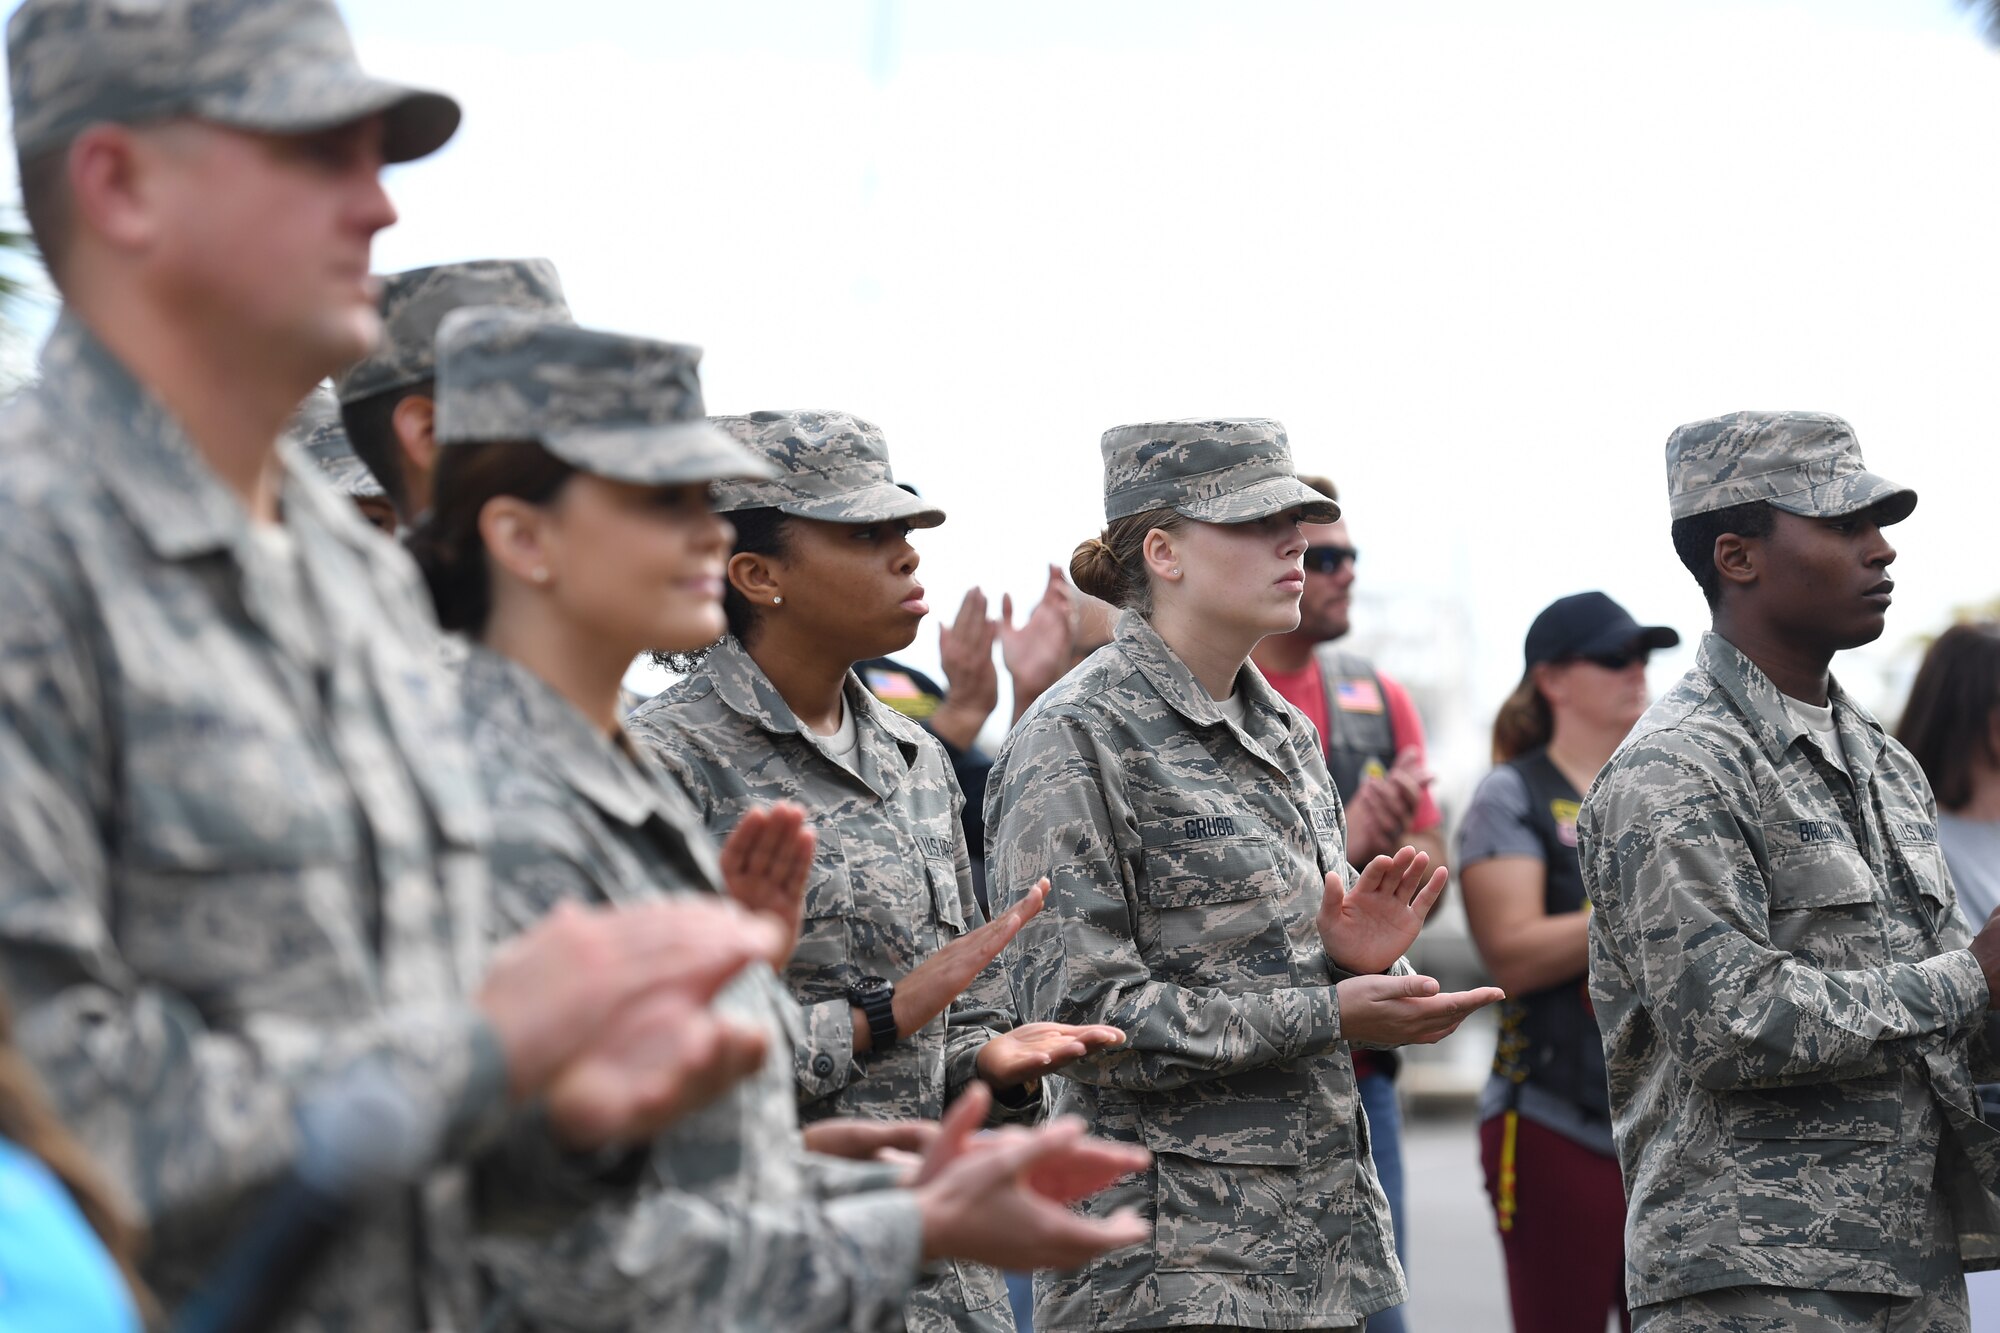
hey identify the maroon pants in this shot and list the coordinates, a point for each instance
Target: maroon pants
(1562, 1217)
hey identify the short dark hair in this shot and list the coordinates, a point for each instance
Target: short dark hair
(48, 206)
(1949, 718)
(762, 531)
(371, 428)
(447, 546)
(1695, 537)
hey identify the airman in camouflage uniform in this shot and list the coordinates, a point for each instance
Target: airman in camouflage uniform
(404, 364)
(257, 828)
(1188, 858)
(317, 428)
(1779, 968)
(892, 880)
(734, 1225)
(268, 824)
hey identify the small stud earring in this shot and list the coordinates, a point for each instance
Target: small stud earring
(777, 601)
(541, 576)
(1175, 571)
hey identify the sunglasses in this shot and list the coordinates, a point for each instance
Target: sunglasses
(1618, 661)
(1329, 559)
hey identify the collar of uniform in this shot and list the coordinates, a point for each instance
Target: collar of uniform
(587, 761)
(890, 742)
(1775, 725)
(1263, 717)
(147, 462)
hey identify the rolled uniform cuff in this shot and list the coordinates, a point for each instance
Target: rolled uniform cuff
(481, 1109)
(884, 1231)
(1401, 968)
(1018, 1106)
(1946, 993)
(1310, 1017)
(838, 1177)
(824, 1062)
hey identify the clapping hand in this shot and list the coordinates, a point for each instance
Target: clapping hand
(1034, 1049)
(1037, 652)
(1367, 928)
(765, 864)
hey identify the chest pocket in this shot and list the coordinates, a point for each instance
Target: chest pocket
(822, 953)
(1824, 907)
(1214, 896)
(1916, 846)
(230, 784)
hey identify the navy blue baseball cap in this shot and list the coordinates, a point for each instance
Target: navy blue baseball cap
(1589, 624)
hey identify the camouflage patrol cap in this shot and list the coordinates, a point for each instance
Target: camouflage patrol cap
(826, 465)
(1225, 471)
(414, 302)
(615, 406)
(317, 427)
(275, 66)
(1801, 462)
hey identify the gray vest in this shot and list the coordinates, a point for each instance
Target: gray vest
(1360, 741)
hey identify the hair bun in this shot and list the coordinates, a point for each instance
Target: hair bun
(1094, 569)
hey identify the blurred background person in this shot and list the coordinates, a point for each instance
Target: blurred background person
(388, 400)
(572, 529)
(1373, 740)
(1545, 1115)
(317, 427)
(1951, 724)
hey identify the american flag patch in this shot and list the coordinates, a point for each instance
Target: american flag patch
(1357, 696)
(887, 685)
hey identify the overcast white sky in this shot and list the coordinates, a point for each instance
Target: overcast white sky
(1480, 258)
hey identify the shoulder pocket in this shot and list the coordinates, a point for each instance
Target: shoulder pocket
(823, 948)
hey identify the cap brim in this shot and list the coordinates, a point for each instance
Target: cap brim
(1261, 499)
(669, 454)
(1623, 638)
(883, 503)
(415, 121)
(1850, 495)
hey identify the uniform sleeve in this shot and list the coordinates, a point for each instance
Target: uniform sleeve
(1079, 961)
(1406, 727)
(1682, 918)
(985, 1009)
(678, 1260)
(190, 1118)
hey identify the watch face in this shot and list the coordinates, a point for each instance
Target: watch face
(869, 988)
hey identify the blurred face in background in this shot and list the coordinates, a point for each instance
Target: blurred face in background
(635, 567)
(1329, 566)
(1603, 694)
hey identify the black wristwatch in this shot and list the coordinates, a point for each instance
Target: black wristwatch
(876, 997)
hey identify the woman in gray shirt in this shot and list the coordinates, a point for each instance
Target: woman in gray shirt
(1952, 725)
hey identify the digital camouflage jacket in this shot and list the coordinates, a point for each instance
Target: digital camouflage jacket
(1188, 860)
(1789, 1012)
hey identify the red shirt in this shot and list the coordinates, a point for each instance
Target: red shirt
(1305, 689)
